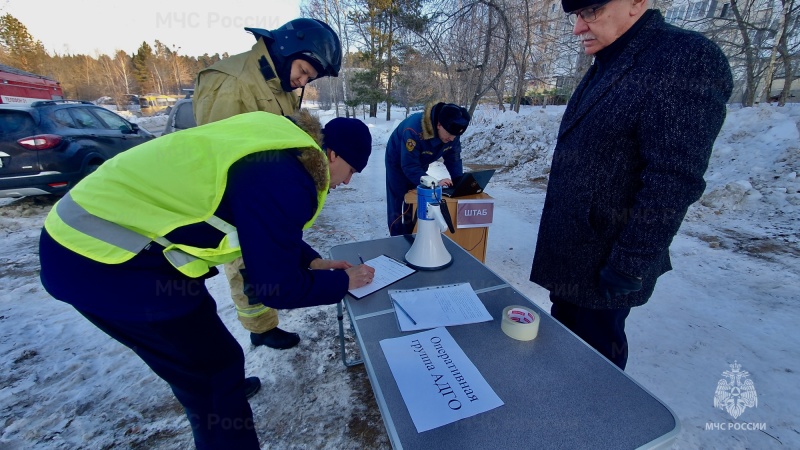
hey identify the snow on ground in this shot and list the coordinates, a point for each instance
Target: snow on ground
(154, 124)
(731, 297)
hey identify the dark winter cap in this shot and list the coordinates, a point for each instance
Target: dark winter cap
(574, 5)
(350, 139)
(454, 119)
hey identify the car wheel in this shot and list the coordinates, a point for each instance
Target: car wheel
(91, 167)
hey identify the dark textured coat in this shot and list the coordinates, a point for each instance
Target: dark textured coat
(629, 161)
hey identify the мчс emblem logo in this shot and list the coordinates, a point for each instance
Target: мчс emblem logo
(410, 144)
(735, 392)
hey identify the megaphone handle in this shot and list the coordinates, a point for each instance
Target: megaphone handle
(446, 216)
(434, 211)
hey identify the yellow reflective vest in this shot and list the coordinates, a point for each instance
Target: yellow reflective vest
(143, 194)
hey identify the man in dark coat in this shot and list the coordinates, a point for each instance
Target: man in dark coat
(632, 149)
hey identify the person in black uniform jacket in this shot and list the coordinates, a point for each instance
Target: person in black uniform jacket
(633, 145)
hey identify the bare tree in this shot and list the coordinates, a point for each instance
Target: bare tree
(115, 77)
(498, 35)
(787, 46)
(334, 13)
(470, 43)
(520, 50)
(122, 66)
(749, 45)
(180, 73)
(417, 79)
(540, 41)
(750, 32)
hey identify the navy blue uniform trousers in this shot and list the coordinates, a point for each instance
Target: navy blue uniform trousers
(203, 364)
(603, 329)
(171, 322)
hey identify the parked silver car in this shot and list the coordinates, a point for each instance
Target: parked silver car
(180, 116)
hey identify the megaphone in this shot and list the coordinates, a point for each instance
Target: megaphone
(428, 251)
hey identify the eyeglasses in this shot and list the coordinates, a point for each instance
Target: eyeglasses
(587, 14)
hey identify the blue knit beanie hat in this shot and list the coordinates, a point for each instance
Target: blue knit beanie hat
(350, 139)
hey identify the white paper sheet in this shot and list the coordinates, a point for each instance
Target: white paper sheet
(387, 271)
(438, 306)
(439, 384)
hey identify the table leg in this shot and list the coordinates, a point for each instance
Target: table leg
(340, 318)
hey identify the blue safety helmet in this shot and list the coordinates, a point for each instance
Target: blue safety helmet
(309, 39)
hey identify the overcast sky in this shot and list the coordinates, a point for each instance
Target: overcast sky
(103, 26)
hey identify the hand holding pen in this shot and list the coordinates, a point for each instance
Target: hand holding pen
(360, 275)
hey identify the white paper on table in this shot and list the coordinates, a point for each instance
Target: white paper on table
(439, 384)
(387, 271)
(438, 306)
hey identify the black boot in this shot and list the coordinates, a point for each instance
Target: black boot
(275, 338)
(251, 386)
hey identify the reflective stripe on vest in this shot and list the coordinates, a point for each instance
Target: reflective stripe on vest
(75, 216)
(78, 218)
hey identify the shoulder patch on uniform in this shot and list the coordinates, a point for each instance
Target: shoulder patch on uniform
(410, 144)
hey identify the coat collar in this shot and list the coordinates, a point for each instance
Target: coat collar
(258, 51)
(427, 122)
(577, 109)
(247, 62)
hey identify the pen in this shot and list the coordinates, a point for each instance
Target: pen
(362, 259)
(396, 303)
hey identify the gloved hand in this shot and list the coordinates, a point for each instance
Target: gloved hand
(613, 283)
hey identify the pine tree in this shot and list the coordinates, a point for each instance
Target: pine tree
(141, 69)
(19, 49)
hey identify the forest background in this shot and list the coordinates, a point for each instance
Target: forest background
(409, 52)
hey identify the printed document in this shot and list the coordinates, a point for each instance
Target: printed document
(438, 306)
(438, 382)
(387, 271)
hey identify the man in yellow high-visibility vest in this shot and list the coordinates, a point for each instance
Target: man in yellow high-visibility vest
(130, 246)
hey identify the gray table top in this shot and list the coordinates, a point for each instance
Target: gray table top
(558, 391)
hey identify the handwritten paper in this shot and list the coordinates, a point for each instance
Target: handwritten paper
(438, 382)
(438, 306)
(387, 271)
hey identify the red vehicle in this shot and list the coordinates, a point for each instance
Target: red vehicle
(20, 87)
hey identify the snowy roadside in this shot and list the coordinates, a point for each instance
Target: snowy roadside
(154, 124)
(732, 297)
